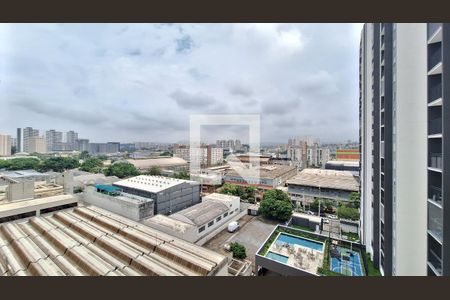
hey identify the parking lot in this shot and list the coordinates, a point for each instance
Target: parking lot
(252, 233)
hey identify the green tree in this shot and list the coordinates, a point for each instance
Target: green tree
(166, 153)
(121, 170)
(58, 164)
(102, 157)
(92, 165)
(355, 200)
(13, 149)
(245, 193)
(182, 175)
(345, 212)
(238, 250)
(155, 171)
(276, 204)
(84, 155)
(20, 164)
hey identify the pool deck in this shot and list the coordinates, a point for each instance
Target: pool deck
(300, 257)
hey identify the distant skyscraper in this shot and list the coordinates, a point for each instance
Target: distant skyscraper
(28, 133)
(53, 140)
(5, 145)
(19, 140)
(37, 144)
(71, 140)
(82, 145)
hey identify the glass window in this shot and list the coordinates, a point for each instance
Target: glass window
(211, 223)
(225, 214)
(201, 229)
(219, 218)
(435, 224)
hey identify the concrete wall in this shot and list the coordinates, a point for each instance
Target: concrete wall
(410, 157)
(132, 209)
(20, 190)
(281, 269)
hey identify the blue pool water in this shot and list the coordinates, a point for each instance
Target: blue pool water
(277, 257)
(350, 267)
(293, 240)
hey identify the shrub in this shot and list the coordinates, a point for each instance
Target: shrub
(238, 250)
(121, 170)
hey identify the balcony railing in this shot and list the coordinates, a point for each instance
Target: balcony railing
(435, 261)
(436, 160)
(435, 194)
(432, 28)
(435, 126)
(434, 55)
(435, 90)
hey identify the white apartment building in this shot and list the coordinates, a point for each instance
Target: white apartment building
(393, 134)
(5, 145)
(28, 133)
(37, 144)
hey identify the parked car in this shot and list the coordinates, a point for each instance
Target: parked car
(333, 217)
(310, 212)
(326, 221)
(233, 226)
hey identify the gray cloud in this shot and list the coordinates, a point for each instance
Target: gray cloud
(241, 90)
(132, 82)
(190, 100)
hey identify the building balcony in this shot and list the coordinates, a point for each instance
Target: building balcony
(434, 32)
(434, 58)
(435, 262)
(435, 127)
(435, 161)
(435, 89)
(435, 194)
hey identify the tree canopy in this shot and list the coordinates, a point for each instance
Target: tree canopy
(121, 170)
(92, 165)
(154, 170)
(245, 193)
(276, 204)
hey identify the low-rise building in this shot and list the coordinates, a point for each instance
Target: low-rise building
(343, 165)
(264, 177)
(114, 200)
(169, 194)
(319, 183)
(164, 163)
(195, 223)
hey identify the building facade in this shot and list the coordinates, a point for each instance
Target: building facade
(19, 140)
(37, 144)
(28, 133)
(438, 124)
(169, 194)
(53, 140)
(393, 84)
(5, 145)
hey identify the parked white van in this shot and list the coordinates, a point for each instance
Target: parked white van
(233, 226)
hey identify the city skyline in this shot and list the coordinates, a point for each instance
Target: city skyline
(142, 82)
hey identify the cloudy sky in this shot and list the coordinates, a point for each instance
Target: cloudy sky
(141, 82)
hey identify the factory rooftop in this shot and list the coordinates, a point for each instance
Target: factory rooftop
(320, 178)
(263, 171)
(163, 162)
(92, 241)
(201, 213)
(153, 184)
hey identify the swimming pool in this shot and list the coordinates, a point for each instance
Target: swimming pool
(293, 240)
(348, 262)
(277, 257)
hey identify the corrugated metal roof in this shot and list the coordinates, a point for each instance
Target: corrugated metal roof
(92, 241)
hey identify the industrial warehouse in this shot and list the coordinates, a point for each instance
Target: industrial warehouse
(92, 241)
